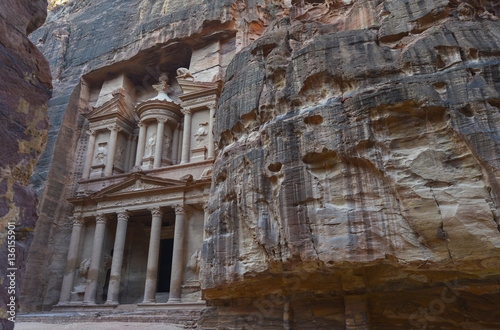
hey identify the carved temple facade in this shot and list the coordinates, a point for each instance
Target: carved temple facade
(139, 208)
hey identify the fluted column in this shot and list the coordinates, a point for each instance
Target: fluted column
(116, 263)
(153, 254)
(178, 255)
(95, 260)
(211, 146)
(160, 131)
(108, 170)
(128, 153)
(90, 154)
(140, 144)
(71, 261)
(175, 144)
(186, 137)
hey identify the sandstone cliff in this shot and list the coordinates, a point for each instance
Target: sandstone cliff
(358, 169)
(24, 92)
(357, 177)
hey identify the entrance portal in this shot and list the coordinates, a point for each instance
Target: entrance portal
(165, 265)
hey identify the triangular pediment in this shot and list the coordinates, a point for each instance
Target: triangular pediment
(118, 106)
(138, 182)
(189, 86)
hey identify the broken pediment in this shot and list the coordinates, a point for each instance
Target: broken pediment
(119, 106)
(136, 183)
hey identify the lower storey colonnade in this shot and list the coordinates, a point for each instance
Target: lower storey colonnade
(114, 277)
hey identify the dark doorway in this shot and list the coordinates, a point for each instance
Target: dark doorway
(165, 264)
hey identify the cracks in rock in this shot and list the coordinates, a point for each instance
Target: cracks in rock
(441, 233)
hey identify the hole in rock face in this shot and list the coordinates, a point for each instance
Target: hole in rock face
(466, 111)
(314, 120)
(494, 103)
(276, 167)
(221, 177)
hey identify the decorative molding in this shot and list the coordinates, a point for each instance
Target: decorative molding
(114, 127)
(91, 132)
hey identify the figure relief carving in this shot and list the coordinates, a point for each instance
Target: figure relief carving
(162, 83)
(184, 74)
(167, 146)
(102, 153)
(150, 147)
(201, 134)
(83, 270)
(119, 155)
(194, 263)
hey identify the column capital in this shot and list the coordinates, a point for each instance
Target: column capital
(186, 111)
(180, 209)
(141, 124)
(162, 120)
(212, 105)
(76, 220)
(114, 127)
(123, 216)
(91, 132)
(156, 211)
(101, 218)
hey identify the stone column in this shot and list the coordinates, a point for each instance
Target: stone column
(133, 152)
(178, 256)
(211, 146)
(71, 261)
(116, 263)
(159, 142)
(179, 147)
(186, 137)
(140, 144)
(175, 144)
(153, 254)
(95, 260)
(90, 154)
(108, 170)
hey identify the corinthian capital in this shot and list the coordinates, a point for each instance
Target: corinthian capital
(101, 218)
(114, 127)
(186, 111)
(123, 216)
(156, 211)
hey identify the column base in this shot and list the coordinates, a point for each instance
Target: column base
(174, 301)
(111, 303)
(150, 301)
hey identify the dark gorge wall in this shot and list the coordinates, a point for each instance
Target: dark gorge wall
(25, 88)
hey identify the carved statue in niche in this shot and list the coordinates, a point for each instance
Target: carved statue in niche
(162, 84)
(167, 146)
(150, 147)
(194, 265)
(201, 134)
(84, 267)
(184, 74)
(119, 155)
(102, 153)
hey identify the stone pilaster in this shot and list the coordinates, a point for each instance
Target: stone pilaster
(153, 254)
(175, 144)
(178, 255)
(116, 263)
(211, 146)
(95, 260)
(186, 136)
(90, 154)
(71, 261)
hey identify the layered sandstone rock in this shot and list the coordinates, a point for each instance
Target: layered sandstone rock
(24, 92)
(357, 178)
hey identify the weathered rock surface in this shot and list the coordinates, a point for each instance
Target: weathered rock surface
(24, 92)
(358, 170)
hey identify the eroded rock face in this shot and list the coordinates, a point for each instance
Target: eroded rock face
(358, 169)
(24, 92)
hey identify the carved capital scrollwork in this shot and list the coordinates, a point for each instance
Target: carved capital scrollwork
(101, 218)
(76, 221)
(91, 132)
(156, 211)
(212, 105)
(114, 127)
(141, 124)
(162, 120)
(186, 111)
(180, 209)
(123, 216)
